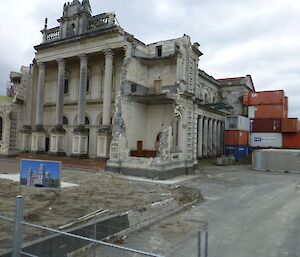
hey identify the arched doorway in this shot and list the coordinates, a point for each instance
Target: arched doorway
(157, 143)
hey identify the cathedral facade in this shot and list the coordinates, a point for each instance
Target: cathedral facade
(96, 91)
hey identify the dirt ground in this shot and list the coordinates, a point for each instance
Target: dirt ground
(95, 191)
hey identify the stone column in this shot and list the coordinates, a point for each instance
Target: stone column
(38, 143)
(219, 137)
(82, 90)
(200, 137)
(215, 137)
(179, 68)
(105, 135)
(27, 130)
(107, 87)
(222, 137)
(210, 139)
(39, 122)
(205, 136)
(80, 134)
(57, 134)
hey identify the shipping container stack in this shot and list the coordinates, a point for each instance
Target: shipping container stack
(270, 126)
(236, 137)
(291, 136)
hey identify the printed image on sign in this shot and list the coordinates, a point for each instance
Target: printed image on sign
(39, 173)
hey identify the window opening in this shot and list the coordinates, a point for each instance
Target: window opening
(1, 127)
(159, 51)
(65, 120)
(66, 86)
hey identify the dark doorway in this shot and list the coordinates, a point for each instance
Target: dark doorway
(47, 144)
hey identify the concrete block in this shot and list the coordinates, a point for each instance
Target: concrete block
(282, 160)
(225, 160)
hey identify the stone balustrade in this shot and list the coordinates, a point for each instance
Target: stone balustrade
(94, 23)
(52, 34)
(98, 21)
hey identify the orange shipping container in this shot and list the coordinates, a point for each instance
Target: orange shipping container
(236, 137)
(264, 97)
(290, 125)
(291, 140)
(270, 111)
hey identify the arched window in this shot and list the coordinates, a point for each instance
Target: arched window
(65, 120)
(73, 28)
(67, 79)
(86, 121)
(100, 120)
(1, 127)
(88, 80)
(175, 128)
(206, 98)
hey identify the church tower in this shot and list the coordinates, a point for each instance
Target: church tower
(74, 20)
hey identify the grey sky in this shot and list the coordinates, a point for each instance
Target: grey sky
(257, 37)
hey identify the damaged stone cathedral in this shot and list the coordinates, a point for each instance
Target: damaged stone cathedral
(96, 91)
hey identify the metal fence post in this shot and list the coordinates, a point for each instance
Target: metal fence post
(17, 237)
(206, 244)
(199, 243)
(95, 236)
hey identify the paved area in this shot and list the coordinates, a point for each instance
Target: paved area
(9, 166)
(247, 213)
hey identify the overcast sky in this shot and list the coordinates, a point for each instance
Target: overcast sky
(237, 37)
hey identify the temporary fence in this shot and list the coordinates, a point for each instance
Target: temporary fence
(51, 242)
(20, 238)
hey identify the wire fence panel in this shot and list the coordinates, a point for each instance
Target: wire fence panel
(58, 243)
(6, 234)
(86, 240)
(39, 241)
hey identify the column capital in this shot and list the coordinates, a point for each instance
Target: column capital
(83, 58)
(42, 65)
(108, 53)
(61, 61)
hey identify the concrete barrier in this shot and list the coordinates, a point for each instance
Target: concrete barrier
(282, 160)
(225, 160)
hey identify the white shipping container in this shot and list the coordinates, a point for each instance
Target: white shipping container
(237, 122)
(265, 140)
(251, 112)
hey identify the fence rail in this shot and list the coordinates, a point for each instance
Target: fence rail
(98, 247)
(82, 242)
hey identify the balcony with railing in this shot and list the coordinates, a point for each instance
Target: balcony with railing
(52, 34)
(100, 21)
(95, 23)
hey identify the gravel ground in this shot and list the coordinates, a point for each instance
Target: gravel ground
(247, 214)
